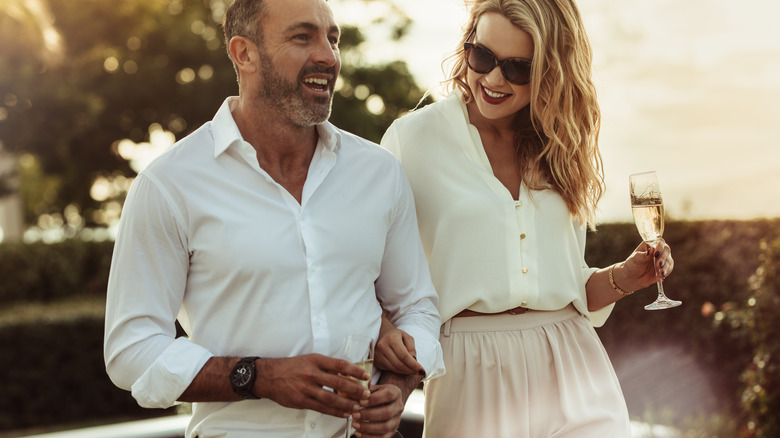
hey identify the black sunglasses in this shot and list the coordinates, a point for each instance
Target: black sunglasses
(483, 61)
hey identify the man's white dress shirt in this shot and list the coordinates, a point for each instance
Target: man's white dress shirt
(488, 252)
(206, 236)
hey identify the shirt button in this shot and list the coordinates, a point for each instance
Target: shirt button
(522, 236)
(524, 303)
(312, 425)
(525, 270)
(518, 203)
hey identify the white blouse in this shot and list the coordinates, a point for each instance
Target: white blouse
(487, 251)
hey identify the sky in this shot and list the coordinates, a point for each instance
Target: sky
(688, 89)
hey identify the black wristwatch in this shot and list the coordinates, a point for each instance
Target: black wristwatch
(243, 376)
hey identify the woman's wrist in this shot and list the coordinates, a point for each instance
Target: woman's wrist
(618, 281)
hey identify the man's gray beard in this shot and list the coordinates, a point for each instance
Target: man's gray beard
(287, 97)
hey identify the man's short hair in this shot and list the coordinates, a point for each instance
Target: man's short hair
(243, 18)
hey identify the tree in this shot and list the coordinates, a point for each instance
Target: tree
(129, 65)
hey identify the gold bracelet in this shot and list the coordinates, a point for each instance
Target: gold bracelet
(615, 286)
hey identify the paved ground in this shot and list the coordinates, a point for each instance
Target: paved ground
(667, 380)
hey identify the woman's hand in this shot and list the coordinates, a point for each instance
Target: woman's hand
(647, 265)
(395, 351)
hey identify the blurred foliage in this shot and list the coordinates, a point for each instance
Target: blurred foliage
(38, 272)
(757, 319)
(77, 76)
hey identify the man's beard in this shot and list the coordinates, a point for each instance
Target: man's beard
(287, 97)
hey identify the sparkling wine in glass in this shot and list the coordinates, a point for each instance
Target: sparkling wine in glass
(358, 349)
(647, 206)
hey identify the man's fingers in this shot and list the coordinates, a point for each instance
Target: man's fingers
(376, 429)
(383, 413)
(345, 368)
(323, 401)
(348, 388)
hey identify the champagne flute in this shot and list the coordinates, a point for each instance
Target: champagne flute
(358, 349)
(647, 206)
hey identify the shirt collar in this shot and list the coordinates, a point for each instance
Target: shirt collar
(226, 133)
(330, 136)
(224, 128)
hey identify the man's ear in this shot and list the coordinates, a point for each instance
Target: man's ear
(244, 54)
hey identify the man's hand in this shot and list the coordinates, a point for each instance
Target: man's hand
(299, 382)
(381, 413)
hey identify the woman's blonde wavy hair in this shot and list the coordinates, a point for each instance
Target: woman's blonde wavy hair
(557, 134)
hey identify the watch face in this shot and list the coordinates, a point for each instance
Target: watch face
(242, 375)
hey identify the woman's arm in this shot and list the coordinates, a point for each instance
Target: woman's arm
(645, 266)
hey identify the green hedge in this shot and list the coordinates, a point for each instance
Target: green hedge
(51, 326)
(53, 374)
(41, 272)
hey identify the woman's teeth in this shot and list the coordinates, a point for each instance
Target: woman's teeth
(493, 94)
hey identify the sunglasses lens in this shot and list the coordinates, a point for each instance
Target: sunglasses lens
(480, 60)
(518, 72)
(483, 62)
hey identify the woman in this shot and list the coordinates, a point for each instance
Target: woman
(506, 173)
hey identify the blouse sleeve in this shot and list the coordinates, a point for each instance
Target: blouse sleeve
(390, 141)
(597, 317)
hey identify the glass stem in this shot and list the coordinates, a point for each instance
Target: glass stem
(661, 294)
(660, 284)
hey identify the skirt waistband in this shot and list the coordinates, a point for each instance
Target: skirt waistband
(508, 322)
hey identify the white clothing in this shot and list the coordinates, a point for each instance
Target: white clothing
(208, 237)
(487, 251)
(535, 375)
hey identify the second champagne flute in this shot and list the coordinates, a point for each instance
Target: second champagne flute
(647, 206)
(358, 349)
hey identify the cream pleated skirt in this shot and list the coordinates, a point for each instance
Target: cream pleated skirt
(535, 375)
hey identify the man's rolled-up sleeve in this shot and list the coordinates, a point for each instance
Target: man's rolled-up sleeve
(145, 292)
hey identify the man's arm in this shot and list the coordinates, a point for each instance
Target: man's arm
(405, 383)
(146, 287)
(296, 382)
(145, 291)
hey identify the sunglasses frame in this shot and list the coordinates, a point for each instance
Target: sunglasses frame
(468, 46)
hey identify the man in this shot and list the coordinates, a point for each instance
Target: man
(270, 234)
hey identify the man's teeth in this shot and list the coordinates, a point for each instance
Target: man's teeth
(493, 94)
(316, 81)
